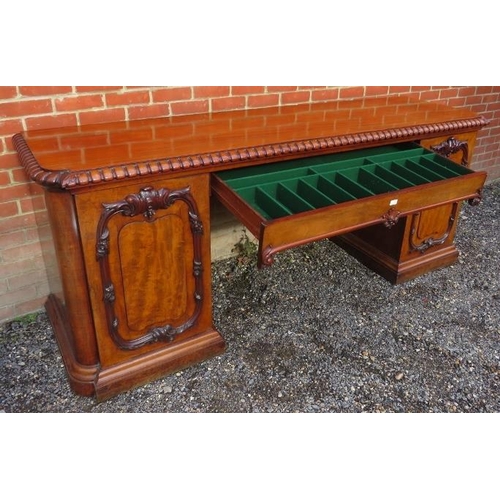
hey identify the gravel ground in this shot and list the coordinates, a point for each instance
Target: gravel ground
(316, 332)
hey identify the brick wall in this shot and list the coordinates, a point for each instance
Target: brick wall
(23, 223)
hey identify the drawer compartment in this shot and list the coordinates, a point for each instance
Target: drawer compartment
(290, 203)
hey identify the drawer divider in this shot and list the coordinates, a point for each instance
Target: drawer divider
(290, 199)
(270, 204)
(333, 191)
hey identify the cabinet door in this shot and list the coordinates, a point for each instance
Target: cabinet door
(147, 253)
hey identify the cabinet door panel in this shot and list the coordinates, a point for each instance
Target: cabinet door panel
(147, 254)
(433, 228)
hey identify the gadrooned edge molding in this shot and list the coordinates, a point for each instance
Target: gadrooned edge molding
(69, 179)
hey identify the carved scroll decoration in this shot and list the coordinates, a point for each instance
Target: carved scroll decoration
(474, 202)
(146, 203)
(431, 242)
(452, 146)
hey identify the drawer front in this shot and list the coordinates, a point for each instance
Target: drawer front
(291, 203)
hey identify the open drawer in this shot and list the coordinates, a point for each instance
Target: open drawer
(291, 203)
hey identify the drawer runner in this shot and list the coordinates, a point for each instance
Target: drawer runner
(291, 203)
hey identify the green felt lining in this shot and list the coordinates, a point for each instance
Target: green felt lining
(297, 186)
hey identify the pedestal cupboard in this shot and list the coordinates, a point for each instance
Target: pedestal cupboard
(129, 207)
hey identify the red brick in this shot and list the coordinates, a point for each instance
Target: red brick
(17, 222)
(416, 88)
(447, 93)
(9, 209)
(241, 90)
(8, 92)
(40, 233)
(16, 297)
(262, 101)
(466, 91)
(39, 91)
(10, 127)
(128, 98)
(325, 95)
(25, 107)
(376, 90)
(210, 92)
(42, 122)
(167, 95)
(4, 178)
(398, 89)
(484, 90)
(96, 88)
(149, 111)
(429, 95)
(472, 100)
(494, 106)
(79, 102)
(189, 107)
(102, 116)
(295, 97)
(32, 204)
(7, 313)
(26, 279)
(19, 175)
(21, 267)
(227, 103)
(9, 160)
(13, 192)
(457, 102)
(24, 252)
(350, 92)
(490, 98)
(30, 306)
(281, 89)
(479, 108)
(13, 238)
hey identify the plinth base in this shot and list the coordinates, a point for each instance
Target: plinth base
(104, 383)
(391, 269)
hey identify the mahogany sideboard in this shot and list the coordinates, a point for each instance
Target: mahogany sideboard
(129, 208)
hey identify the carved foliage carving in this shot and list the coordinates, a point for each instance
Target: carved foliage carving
(391, 218)
(146, 203)
(452, 146)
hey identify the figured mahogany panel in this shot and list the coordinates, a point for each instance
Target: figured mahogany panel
(146, 298)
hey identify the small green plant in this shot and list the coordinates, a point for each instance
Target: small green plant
(26, 319)
(245, 248)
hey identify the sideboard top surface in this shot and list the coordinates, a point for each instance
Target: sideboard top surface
(71, 157)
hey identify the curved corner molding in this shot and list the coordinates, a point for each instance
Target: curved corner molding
(452, 146)
(146, 203)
